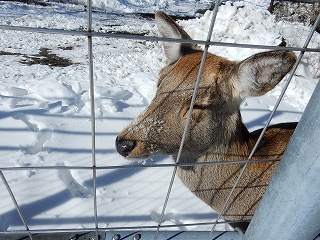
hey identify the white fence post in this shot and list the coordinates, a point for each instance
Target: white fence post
(290, 208)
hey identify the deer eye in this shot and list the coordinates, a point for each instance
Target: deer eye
(196, 109)
(201, 107)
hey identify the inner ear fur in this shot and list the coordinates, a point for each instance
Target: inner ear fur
(261, 72)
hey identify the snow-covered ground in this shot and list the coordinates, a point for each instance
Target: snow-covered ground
(45, 109)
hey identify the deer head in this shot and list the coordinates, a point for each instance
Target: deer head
(215, 116)
(216, 131)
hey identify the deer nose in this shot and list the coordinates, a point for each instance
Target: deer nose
(125, 147)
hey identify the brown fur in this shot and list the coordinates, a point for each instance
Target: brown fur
(216, 131)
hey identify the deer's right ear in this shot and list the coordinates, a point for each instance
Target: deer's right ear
(168, 28)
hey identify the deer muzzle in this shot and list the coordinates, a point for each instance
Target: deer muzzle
(125, 147)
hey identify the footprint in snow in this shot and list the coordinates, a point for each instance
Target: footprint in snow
(28, 173)
(75, 188)
(32, 126)
(14, 97)
(37, 146)
(112, 99)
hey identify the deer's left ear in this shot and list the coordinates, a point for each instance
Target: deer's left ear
(170, 29)
(261, 72)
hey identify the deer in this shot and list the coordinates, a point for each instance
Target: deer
(216, 132)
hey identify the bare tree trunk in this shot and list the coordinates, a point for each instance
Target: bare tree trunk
(270, 8)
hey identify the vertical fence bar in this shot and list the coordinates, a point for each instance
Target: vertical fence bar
(290, 208)
(93, 120)
(194, 95)
(15, 204)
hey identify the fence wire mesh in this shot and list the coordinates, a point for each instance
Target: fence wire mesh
(309, 48)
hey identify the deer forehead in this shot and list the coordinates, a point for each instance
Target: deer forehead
(183, 74)
(177, 81)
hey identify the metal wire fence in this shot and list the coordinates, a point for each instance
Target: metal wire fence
(76, 233)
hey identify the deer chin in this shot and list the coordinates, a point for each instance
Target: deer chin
(141, 152)
(138, 159)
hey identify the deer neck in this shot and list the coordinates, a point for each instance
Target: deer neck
(206, 180)
(232, 142)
